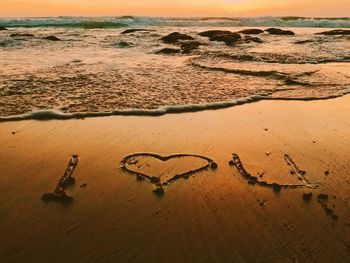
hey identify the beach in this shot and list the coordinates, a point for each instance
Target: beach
(215, 215)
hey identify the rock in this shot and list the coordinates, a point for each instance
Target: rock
(276, 187)
(326, 173)
(52, 38)
(21, 35)
(124, 44)
(303, 41)
(53, 197)
(249, 39)
(133, 30)
(159, 191)
(155, 180)
(334, 217)
(278, 31)
(322, 197)
(140, 178)
(175, 37)
(228, 37)
(2, 28)
(83, 185)
(231, 163)
(251, 31)
(307, 197)
(341, 32)
(329, 211)
(189, 46)
(168, 51)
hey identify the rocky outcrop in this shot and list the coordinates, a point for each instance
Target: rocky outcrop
(175, 37)
(228, 37)
(133, 30)
(251, 31)
(168, 51)
(278, 31)
(336, 32)
(188, 46)
(2, 28)
(21, 35)
(52, 38)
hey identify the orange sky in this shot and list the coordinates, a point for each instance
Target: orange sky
(174, 8)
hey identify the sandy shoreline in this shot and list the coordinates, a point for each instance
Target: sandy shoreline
(214, 216)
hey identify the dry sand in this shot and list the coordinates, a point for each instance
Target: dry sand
(213, 216)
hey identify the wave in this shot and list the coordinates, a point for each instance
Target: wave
(133, 21)
(44, 115)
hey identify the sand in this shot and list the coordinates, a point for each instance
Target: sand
(215, 215)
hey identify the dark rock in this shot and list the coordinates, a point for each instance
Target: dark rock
(2, 28)
(83, 185)
(329, 211)
(124, 44)
(251, 31)
(322, 197)
(175, 37)
(249, 39)
(276, 187)
(303, 41)
(231, 163)
(159, 191)
(335, 32)
(307, 197)
(155, 180)
(21, 35)
(213, 165)
(228, 37)
(326, 173)
(52, 38)
(334, 217)
(189, 46)
(168, 51)
(278, 31)
(61, 197)
(133, 30)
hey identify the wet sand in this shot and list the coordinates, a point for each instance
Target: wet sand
(213, 215)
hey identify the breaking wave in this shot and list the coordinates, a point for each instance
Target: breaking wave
(131, 21)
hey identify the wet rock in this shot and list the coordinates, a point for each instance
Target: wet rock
(189, 46)
(57, 197)
(322, 197)
(228, 37)
(155, 180)
(124, 44)
(251, 31)
(168, 51)
(2, 28)
(133, 30)
(21, 35)
(159, 191)
(336, 32)
(278, 31)
(175, 37)
(52, 38)
(276, 188)
(249, 39)
(307, 197)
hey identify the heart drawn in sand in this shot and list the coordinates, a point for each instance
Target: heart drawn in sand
(162, 170)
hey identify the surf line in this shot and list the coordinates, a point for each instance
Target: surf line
(129, 159)
(236, 161)
(59, 193)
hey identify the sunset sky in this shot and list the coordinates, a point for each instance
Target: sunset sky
(174, 8)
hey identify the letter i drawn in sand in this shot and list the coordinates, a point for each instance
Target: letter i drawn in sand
(59, 194)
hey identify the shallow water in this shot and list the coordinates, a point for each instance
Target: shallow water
(89, 73)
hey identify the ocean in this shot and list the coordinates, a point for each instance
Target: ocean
(94, 69)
